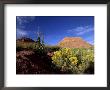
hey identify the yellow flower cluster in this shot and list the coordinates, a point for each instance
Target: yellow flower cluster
(75, 60)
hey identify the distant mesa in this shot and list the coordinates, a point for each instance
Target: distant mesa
(74, 42)
(25, 39)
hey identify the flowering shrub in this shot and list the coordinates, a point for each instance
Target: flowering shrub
(74, 60)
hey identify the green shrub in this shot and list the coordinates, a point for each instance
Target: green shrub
(19, 48)
(23, 45)
(52, 48)
(74, 60)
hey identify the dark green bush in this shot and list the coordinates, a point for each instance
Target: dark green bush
(52, 48)
(19, 48)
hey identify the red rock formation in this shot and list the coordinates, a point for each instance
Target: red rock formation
(74, 42)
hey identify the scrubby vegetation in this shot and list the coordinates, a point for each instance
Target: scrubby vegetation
(74, 60)
(37, 58)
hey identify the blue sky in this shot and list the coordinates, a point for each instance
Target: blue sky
(55, 28)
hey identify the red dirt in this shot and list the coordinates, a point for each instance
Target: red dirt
(29, 62)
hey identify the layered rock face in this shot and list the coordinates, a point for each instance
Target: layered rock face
(74, 42)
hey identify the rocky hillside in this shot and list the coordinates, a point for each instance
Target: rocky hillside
(24, 39)
(74, 42)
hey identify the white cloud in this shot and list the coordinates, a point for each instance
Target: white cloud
(80, 30)
(24, 19)
(21, 27)
(90, 39)
(21, 33)
(91, 42)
